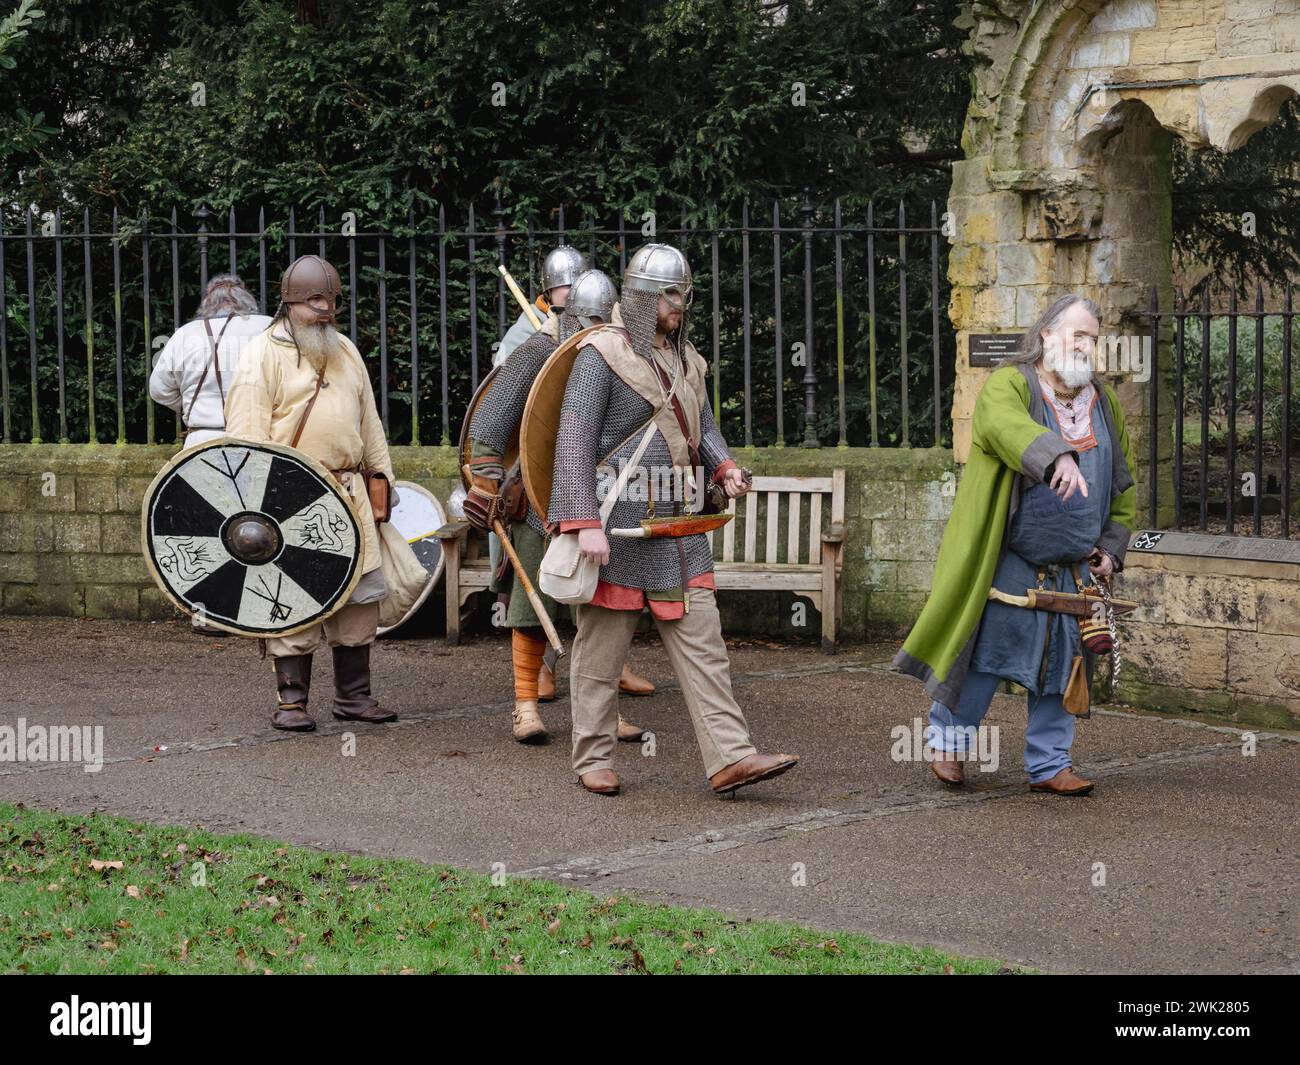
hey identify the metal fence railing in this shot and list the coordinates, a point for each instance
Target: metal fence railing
(1231, 389)
(821, 323)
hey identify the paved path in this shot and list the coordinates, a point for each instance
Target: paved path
(1200, 843)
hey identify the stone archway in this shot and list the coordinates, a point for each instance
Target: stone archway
(1066, 181)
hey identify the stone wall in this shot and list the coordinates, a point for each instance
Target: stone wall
(70, 531)
(1214, 634)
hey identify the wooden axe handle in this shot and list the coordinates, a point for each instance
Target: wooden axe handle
(515, 291)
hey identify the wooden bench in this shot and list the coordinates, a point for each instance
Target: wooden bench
(813, 551)
(808, 560)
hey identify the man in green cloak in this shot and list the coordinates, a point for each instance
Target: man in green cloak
(1047, 500)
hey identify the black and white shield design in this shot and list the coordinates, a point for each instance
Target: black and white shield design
(257, 538)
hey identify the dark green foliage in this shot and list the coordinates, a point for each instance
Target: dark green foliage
(1214, 191)
(388, 110)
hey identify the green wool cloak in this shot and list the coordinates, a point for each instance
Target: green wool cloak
(1011, 448)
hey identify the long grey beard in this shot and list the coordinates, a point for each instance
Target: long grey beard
(317, 343)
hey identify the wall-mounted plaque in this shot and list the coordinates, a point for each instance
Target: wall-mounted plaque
(989, 349)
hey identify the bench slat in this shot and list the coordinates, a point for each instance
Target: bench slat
(792, 529)
(751, 525)
(729, 534)
(815, 528)
(773, 510)
(794, 484)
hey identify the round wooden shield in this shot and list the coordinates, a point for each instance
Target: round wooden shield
(540, 424)
(512, 448)
(258, 538)
(417, 516)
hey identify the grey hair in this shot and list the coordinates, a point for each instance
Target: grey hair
(226, 294)
(1031, 344)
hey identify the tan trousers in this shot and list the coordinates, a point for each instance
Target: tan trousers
(353, 626)
(698, 657)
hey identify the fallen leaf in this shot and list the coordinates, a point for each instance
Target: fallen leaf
(586, 941)
(553, 927)
(99, 866)
(133, 891)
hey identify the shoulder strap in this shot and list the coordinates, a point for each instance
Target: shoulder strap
(607, 507)
(207, 325)
(297, 434)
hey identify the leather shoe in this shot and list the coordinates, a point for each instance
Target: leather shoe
(600, 781)
(352, 698)
(545, 684)
(292, 719)
(750, 770)
(947, 767)
(1066, 782)
(628, 732)
(527, 723)
(631, 684)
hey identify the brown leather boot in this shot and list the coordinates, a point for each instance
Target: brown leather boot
(750, 770)
(630, 684)
(600, 781)
(545, 684)
(628, 732)
(352, 698)
(293, 679)
(947, 767)
(1066, 782)
(528, 726)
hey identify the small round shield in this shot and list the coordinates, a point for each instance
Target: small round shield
(417, 516)
(540, 424)
(256, 538)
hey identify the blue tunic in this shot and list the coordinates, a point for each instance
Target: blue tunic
(1045, 535)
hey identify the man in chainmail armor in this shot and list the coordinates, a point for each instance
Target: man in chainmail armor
(641, 367)
(498, 493)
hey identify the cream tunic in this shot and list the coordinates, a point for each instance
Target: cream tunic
(272, 389)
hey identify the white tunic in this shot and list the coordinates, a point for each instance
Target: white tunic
(180, 364)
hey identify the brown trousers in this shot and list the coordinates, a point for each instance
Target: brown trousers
(699, 659)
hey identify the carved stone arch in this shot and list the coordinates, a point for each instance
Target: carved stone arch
(1066, 182)
(1263, 111)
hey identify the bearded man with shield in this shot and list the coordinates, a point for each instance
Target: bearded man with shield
(637, 388)
(496, 494)
(304, 384)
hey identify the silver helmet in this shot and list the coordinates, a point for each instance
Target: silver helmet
(592, 296)
(562, 266)
(655, 270)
